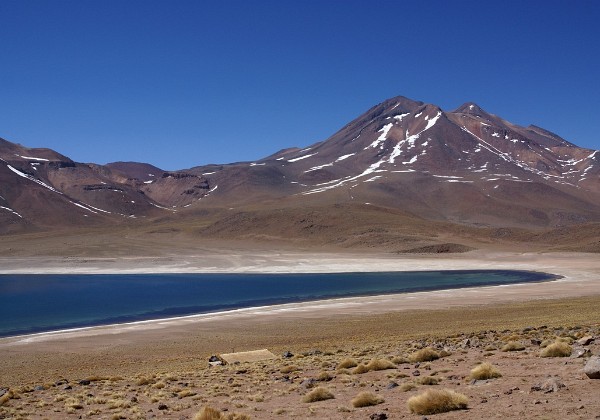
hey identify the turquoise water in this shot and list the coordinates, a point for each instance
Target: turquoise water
(36, 303)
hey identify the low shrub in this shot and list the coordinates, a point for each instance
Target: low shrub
(407, 386)
(485, 371)
(427, 380)
(347, 363)
(557, 349)
(513, 346)
(434, 401)
(380, 364)
(424, 355)
(366, 399)
(318, 394)
(209, 413)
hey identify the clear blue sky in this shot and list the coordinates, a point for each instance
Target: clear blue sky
(183, 83)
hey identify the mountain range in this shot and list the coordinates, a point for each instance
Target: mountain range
(405, 175)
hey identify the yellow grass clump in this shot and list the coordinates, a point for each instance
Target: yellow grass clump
(380, 364)
(428, 380)
(318, 394)
(347, 363)
(513, 346)
(557, 349)
(424, 355)
(209, 413)
(7, 396)
(360, 369)
(434, 401)
(485, 371)
(366, 399)
(407, 386)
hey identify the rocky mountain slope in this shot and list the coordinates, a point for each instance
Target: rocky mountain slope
(464, 168)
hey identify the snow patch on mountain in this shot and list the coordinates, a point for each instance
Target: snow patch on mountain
(32, 178)
(11, 210)
(301, 157)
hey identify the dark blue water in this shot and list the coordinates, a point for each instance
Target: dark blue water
(36, 303)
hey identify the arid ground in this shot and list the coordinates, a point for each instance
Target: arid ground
(159, 368)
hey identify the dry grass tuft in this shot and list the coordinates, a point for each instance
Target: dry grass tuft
(380, 364)
(485, 371)
(7, 396)
(209, 413)
(289, 369)
(557, 349)
(360, 369)
(347, 363)
(427, 380)
(324, 377)
(435, 401)
(424, 355)
(318, 394)
(366, 399)
(407, 386)
(513, 346)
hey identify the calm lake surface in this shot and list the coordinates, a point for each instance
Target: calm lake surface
(37, 303)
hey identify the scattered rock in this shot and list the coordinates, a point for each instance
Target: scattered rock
(585, 341)
(214, 361)
(535, 342)
(68, 387)
(549, 385)
(3, 391)
(84, 382)
(163, 407)
(378, 416)
(479, 382)
(592, 368)
(288, 354)
(391, 385)
(416, 373)
(578, 352)
(39, 388)
(309, 383)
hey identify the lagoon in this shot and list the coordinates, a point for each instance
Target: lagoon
(40, 303)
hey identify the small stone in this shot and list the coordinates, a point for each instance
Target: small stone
(84, 382)
(391, 385)
(550, 385)
(416, 373)
(288, 354)
(378, 416)
(68, 387)
(592, 367)
(39, 388)
(585, 341)
(163, 407)
(134, 399)
(579, 352)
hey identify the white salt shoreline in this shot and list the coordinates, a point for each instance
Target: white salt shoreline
(581, 277)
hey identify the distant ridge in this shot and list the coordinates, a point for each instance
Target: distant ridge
(465, 167)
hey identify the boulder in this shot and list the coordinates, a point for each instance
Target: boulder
(585, 341)
(549, 385)
(578, 352)
(592, 368)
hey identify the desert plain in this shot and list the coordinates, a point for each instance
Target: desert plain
(339, 347)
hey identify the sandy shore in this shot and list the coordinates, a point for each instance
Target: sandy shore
(580, 277)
